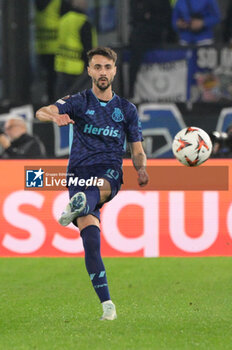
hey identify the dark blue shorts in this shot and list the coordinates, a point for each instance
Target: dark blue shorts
(111, 173)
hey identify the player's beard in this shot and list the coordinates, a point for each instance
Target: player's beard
(102, 87)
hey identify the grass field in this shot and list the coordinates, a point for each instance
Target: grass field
(163, 304)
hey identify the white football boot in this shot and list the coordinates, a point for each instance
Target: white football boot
(109, 311)
(73, 209)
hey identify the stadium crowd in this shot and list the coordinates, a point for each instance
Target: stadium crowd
(65, 30)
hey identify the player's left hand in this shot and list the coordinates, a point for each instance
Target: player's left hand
(62, 119)
(143, 177)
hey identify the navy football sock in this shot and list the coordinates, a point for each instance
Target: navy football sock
(92, 199)
(93, 261)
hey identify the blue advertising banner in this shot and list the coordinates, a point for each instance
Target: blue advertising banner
(202, 74)
(164, 76)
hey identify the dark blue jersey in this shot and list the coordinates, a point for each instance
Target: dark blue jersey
(100, 132)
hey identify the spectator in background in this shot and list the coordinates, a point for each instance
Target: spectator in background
(227, 30)
(46, 30)
(150, 28)
(76, 36)
(194, 21)
(222, 143)
(17, 143)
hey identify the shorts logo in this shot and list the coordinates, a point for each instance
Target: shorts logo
(117, 116)
(112, 174)
(34, 178)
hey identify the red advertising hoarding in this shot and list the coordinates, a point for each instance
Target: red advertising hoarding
(160, 220)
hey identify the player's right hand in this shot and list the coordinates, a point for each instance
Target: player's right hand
(62, 119)
(143, 177)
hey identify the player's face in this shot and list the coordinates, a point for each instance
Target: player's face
(102, 71)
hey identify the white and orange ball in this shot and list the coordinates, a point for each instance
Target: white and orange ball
(192, 146)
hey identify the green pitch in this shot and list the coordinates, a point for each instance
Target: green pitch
(162, 304)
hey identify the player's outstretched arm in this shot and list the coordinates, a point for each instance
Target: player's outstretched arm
(51, 113)
(139, 160)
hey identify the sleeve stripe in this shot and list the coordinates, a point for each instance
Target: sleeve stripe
(61, 101)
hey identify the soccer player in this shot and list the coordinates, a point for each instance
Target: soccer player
(101, 122)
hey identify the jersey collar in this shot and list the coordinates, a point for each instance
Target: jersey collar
(106, 103)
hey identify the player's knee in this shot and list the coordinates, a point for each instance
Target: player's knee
(105, 191)
(104, 195)
(88, 220)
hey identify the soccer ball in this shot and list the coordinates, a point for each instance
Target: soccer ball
(192, 146)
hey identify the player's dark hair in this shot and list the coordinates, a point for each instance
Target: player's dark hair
(103, 51)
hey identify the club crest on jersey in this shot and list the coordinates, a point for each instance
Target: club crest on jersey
(117, 116)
